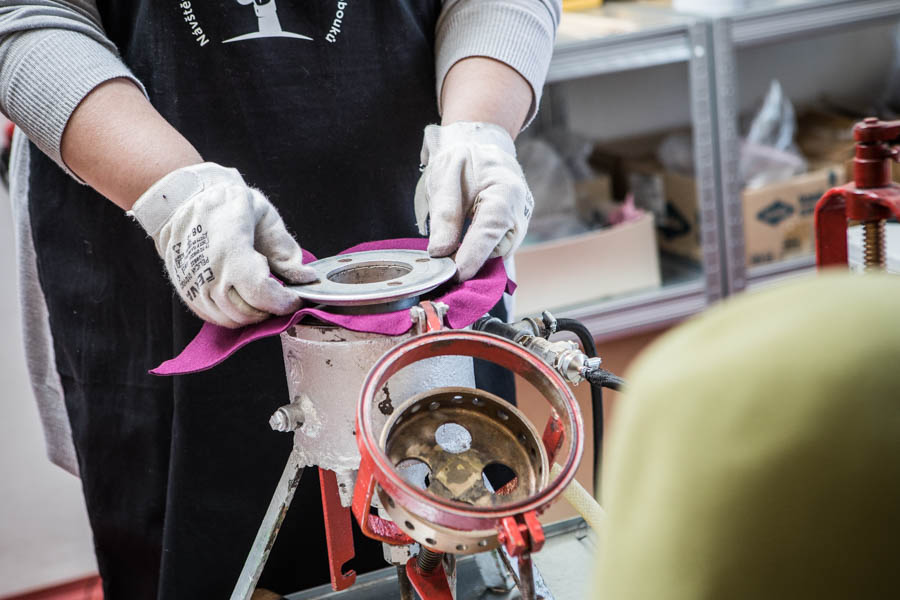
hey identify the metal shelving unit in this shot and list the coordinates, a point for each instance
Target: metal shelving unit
(768, 21)
(709, 45)
(656, 37)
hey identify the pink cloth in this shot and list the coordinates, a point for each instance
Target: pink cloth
(467, 302)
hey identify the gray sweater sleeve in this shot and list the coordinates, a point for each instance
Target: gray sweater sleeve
(52, 54)
(519, 33)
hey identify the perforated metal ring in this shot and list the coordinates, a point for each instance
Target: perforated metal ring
(446, 512)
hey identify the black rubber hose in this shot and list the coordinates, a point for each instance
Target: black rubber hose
(603, 378)
(494, 325)
(590, 349)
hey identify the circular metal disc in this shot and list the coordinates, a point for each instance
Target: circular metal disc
(375, 277)
(474, 447)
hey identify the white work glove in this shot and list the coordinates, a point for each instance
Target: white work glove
(470, 172)
(220, 239)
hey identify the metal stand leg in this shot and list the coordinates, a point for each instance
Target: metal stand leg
(268, 529)
(526, 575)
(406, 590)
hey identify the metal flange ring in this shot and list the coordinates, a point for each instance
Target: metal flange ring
(446, 512)
(375, 277)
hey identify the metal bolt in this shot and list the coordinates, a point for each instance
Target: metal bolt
(441, 308)
(873, 245)
(286, 418)
(279, 421)
(417, 314)
(428, 560)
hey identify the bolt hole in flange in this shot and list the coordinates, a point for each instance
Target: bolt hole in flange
(370, 272)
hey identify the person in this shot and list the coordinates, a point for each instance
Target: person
(757, 454)
(222, 129)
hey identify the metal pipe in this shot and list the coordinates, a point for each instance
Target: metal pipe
(526, 577)
(406, 590)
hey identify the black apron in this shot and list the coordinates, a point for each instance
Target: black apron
(178, 472)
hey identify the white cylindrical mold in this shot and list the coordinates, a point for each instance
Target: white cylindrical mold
(326, 366)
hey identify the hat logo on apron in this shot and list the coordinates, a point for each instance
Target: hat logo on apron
(267, 22)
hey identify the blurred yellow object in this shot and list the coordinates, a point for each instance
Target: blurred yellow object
(581, 4)
(757, 452)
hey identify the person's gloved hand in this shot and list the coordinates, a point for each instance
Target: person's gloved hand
(220, 239)
(470, 172)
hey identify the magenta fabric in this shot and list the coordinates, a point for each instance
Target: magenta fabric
(467, 302)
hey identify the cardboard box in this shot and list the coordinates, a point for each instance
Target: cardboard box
(778, 218)
(593, 198)
(586, 267)
(646, 185)
(825, 137)
(678, 231)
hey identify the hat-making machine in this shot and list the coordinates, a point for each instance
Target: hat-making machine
(434, 467)
(407, 445)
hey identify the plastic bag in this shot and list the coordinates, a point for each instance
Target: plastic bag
(676, 153)
(768, 152)
(551, 183)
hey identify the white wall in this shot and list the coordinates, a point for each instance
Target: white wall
(44, 533)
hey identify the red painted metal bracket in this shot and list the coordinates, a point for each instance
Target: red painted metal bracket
(553, 435)
(371, 525)
(433, 319)
(429, 586)
(521, 534)
(338, 532)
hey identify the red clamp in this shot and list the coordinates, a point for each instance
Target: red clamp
(521, 534)
(869, 199)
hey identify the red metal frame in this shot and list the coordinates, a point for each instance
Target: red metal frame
(517, 523)
(446, 512)
(872, 196)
